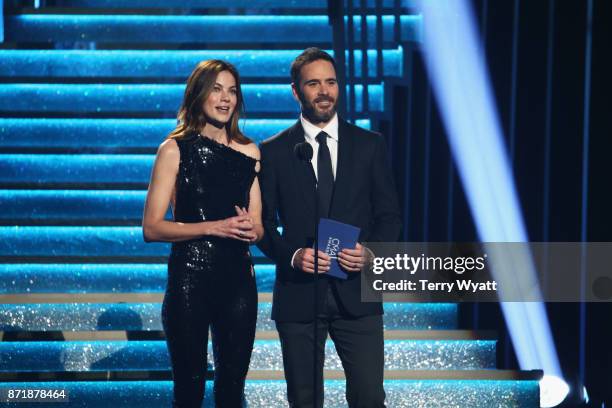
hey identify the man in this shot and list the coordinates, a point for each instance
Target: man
(355, 187)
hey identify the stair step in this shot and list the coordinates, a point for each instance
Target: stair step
(109, 135)
(475, 391)
(111, 355)
(101, 333)
(73, 316)
(160, 375)
(45, 312)
(220, 29)
(67, 169)
(83, 243)
(73, 206)
(215, 4)
(167, 64)
(479, 375)
(57, 298)
(149, 98)
(115, 278)
(407, 335)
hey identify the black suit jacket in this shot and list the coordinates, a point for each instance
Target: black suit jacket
(364, 196)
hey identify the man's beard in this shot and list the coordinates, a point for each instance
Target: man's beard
(310, 112)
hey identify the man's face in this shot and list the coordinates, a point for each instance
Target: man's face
(317, 91)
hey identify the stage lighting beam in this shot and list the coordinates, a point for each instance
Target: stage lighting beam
(460, 81)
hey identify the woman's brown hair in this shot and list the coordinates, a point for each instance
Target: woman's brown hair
(191, 117)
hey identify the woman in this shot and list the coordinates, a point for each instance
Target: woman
(207, 169)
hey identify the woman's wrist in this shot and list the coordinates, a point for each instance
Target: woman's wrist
(259, 231)
(209, 228)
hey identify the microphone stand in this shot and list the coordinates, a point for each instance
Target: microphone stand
(316, 291)
(304, 152)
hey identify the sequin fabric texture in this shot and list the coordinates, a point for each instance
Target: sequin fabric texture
(210, 280)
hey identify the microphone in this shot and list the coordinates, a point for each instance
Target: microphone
(303, 151)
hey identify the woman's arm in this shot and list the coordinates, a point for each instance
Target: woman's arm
(254, 210)
(159, 195)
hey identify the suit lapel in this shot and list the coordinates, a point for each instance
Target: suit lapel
(302, 170)
(342, 183)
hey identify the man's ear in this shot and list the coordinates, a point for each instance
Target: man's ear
(294, 91)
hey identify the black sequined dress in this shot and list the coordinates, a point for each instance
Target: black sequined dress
(211, 281)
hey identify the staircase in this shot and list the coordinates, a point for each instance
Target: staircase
(89, 90)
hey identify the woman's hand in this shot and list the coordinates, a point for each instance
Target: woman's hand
(244, 212)
(239, 227)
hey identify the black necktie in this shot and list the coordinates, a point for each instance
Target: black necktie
(325, 175)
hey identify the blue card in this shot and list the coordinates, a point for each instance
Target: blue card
(333, 237)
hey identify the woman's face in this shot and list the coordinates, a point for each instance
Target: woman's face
(222, 100)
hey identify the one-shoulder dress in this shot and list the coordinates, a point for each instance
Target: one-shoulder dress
(211, 282)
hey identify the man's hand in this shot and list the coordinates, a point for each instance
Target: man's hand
(304, 260)
(353, 260)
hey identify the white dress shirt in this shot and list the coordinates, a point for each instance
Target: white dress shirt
(310, 134)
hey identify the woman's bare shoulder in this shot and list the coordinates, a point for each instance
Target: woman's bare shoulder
(250, 149)
(168, 147)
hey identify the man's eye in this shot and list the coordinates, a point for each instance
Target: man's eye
(233, 91)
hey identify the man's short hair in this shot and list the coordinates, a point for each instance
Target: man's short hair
(306, 57)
